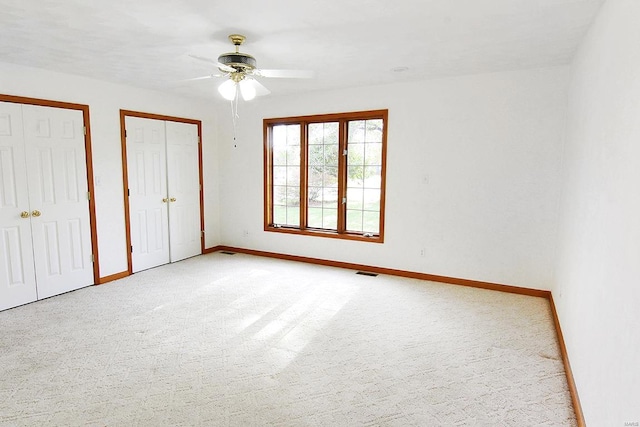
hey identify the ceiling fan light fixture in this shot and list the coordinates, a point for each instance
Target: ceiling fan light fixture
(228, 90)
(247, 90)
(240, 69)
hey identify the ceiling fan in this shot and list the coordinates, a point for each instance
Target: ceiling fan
(241, 69)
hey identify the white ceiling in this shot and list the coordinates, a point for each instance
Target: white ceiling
(148, 43)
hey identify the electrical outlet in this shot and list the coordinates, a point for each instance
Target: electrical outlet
(245, 233)
(423, 252)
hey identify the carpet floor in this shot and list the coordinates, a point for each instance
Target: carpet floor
(237, 340)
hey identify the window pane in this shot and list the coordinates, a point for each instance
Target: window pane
(314, 217)
(316, 155)
(331, 155)
(293, 134)
(354, 198)
(315, 176)
(279, 175)
(371, 200)
(286, 209)
(355, 176)
(371, 222)
(331, 133)
(293, 216)
(279, 214)
(279, 136)
(354, 220)
(373, 155)
(356, 131)
(364, 175)
(286, 174)
(322, 173)
(355, 154)
(373, 176)
(293, 155)
(293, 175)
(330, 177)
(293, 196)
(316, 133)
(330, 197)
(279, 195)
(280, 156)
(314, 196)
(330, 219)
(373, 132)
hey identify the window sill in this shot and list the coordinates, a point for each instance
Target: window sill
(325, 233)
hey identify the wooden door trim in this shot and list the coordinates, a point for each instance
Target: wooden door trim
(125, 175)
(88, 159)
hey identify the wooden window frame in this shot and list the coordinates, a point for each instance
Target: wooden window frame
(343, 119)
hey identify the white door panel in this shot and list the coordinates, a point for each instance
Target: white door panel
(148, 213)
(184, 190)
(58, 189)
(17, 277)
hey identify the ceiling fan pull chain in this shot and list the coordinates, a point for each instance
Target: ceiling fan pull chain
(234, 117)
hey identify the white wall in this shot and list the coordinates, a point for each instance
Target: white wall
(489, 146)
(105, 101)
(598, 289)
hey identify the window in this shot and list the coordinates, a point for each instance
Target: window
(324, 175)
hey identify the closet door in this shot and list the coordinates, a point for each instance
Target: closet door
(183, 189)
(17, 276)
(58, 198)
(148, 201)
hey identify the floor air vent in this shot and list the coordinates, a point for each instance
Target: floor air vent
(366, 273)
(227, 253)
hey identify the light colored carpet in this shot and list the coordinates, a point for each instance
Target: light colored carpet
(221, 340)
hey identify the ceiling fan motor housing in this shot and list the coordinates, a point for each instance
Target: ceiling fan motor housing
(237, 60)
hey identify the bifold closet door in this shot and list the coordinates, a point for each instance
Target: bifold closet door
(164, 191)
(45, 241)
(17, 274)
(183, 189)
(148, 201)
(58, 198)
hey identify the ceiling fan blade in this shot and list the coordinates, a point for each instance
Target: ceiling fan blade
(221, 66)
(200, 58)
(259, 87)
(211, 76)
(286, 74)
(225, 68)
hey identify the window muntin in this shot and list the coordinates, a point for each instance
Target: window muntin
(324, 175)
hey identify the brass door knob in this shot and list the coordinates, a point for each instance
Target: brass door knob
(36, 213)
(173, 199)
(165, 200)
(24, 214)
